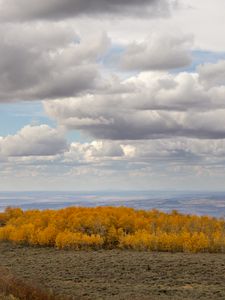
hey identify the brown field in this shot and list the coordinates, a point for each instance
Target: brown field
(10, 297)
(115, 274)
(14, 287)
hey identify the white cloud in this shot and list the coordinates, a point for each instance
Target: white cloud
(112, 163)
(95, 151)
(158, 52)
(33, 141)
(148, 106)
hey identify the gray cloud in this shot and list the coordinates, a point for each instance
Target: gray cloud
(33, 141)
(131, 124)
(35, 67)
(132, 155)
(159, 52)
(57, 9)
(212, 74)
(142, 160)
(149, 106)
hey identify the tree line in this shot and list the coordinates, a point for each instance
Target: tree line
(113, 227)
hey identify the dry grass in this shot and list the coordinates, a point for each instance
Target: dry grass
(9, 297)
(13, 288)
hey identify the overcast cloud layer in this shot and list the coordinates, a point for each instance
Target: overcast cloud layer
(57, 9)
(124, 99)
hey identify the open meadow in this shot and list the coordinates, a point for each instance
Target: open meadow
(118, 274)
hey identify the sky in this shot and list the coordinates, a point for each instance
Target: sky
(112, 95)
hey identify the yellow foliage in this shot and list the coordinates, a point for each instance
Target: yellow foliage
(47, 236)
(77, 240)
(111, 227)
(5, 232)
(141, 240)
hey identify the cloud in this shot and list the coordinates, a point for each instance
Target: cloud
(141, 152)
(212, 74)
(33, 141)
(132, 155)
(179, 151)
(128, 163)
(24, 10)
(148, 106)
(159, 52)
(35, 67)
(94, 152)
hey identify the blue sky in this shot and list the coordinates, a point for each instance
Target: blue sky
(14, 116)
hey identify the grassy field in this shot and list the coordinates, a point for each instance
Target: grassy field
(14, 287)
(114, 274)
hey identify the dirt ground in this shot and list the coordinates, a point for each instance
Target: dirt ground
(114, 274)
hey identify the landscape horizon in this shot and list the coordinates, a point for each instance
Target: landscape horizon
(210, 203)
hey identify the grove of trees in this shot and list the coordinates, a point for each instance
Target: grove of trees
(110, 227)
